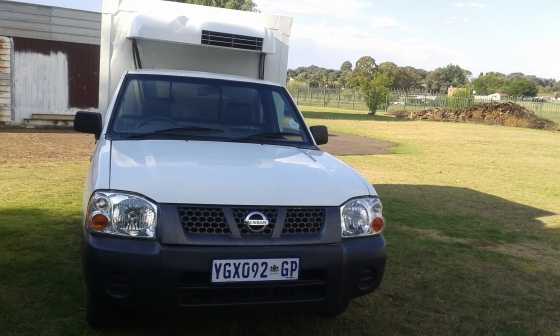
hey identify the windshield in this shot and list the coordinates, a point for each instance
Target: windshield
(164, 107)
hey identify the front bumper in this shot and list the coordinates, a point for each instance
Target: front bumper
(136, 272)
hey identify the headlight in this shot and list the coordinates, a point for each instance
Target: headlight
(121, 214)
(362, 217)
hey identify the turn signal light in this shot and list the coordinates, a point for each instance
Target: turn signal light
(378, 224)
(99, 222)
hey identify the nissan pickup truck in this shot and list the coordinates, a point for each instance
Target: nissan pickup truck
(209, 190)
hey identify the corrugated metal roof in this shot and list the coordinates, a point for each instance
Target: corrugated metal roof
(49, 23)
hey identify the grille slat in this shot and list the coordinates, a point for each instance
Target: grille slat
(231, 40)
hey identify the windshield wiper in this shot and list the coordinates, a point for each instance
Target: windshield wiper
(270, 136)
(177, 131)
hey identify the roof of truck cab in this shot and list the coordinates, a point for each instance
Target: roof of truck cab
(199, 74)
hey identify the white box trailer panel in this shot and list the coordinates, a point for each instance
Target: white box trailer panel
(154, 34)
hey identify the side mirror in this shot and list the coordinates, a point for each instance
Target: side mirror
(88, 122)
(320, 134)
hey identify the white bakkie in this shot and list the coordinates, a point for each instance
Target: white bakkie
(207, 188)
(213, 188)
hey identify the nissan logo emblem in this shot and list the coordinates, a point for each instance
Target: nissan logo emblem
(256, 221)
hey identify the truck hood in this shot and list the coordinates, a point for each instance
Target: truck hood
(225, 173)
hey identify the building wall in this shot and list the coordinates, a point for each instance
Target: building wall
(52, 77)
(5, 79)
(40, 84)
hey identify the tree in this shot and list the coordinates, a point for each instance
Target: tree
(345, 74)
(410, 78)
(245, 5)
(515, 75)
(556, 86)
(489, 83)
(332, 79)
(442, 78)
(402, 78)
(389, 69)
(376, 91)
(346, 67)
(363, 72)
(521, 87)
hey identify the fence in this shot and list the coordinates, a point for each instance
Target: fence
(323, 97)
(408, 101)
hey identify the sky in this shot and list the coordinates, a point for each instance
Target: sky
(482, 35)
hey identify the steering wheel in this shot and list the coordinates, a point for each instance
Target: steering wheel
(158, 120)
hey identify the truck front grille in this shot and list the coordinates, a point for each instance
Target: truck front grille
(230, 221)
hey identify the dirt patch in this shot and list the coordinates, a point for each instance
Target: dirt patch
(343, 144)
(505, 114)
(22, 146)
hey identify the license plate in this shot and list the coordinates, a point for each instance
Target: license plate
(246, 270)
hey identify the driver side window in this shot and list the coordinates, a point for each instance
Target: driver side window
(130, 109)
(287, 116)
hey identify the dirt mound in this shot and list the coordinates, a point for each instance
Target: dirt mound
(506, 114)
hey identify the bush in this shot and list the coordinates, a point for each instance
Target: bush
(376, 92)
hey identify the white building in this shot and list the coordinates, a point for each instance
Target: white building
(49, 62)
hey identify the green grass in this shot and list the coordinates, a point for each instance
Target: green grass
(473, 239)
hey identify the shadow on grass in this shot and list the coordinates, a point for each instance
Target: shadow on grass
(347, 116)
(460, 212)
(41, 288)
(40, 258)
